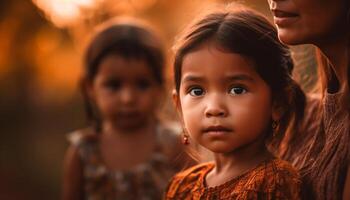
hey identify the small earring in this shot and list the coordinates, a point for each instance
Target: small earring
(274, 126)
(185, 138)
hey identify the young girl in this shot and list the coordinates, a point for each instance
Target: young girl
(236, 97)
(126, 153)
(321, 147)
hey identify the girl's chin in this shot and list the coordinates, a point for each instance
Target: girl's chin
(221, 149)
(130, 126)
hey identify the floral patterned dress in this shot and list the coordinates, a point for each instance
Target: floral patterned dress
(145, 181)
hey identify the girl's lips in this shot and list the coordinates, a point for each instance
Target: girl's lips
(217, 133)
(128, 114)
(217, 129)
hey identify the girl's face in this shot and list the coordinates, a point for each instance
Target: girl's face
(308, 21)
(125, 92)
(222, 100)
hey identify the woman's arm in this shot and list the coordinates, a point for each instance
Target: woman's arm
(72, 175)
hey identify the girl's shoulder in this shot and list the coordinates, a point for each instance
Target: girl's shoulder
(276, 178)
(194, 172)
(84, 141)
(82, 136)
(188, 180)
(279, 171)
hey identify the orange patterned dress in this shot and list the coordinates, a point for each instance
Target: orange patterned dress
(272, 180)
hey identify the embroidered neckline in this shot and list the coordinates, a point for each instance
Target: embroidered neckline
(202, 183)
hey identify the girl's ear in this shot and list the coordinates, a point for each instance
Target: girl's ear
(87, 86)
(277, 111)
(177, 103)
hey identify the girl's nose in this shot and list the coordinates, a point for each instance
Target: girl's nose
(127, 96)
(216, 107)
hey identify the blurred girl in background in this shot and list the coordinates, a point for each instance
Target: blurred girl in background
(126, 153)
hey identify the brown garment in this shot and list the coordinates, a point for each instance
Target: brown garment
(271, 180)
(324, 121)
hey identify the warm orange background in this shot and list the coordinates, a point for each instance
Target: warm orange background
(41, 44)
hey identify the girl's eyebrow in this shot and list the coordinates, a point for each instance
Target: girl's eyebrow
(192, 78)
(240, 77)
(236, 77)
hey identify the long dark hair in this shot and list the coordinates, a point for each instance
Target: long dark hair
(240, 30)
(128, 38)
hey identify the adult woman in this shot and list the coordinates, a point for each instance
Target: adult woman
(322, 155)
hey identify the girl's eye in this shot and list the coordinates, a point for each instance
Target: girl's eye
(196, 92)
(237, 90)
(113, 84)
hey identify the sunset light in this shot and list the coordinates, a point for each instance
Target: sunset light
(65, 12)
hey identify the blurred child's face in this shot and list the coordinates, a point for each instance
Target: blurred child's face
(308, 21)
(223, 101)
(125, 92)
